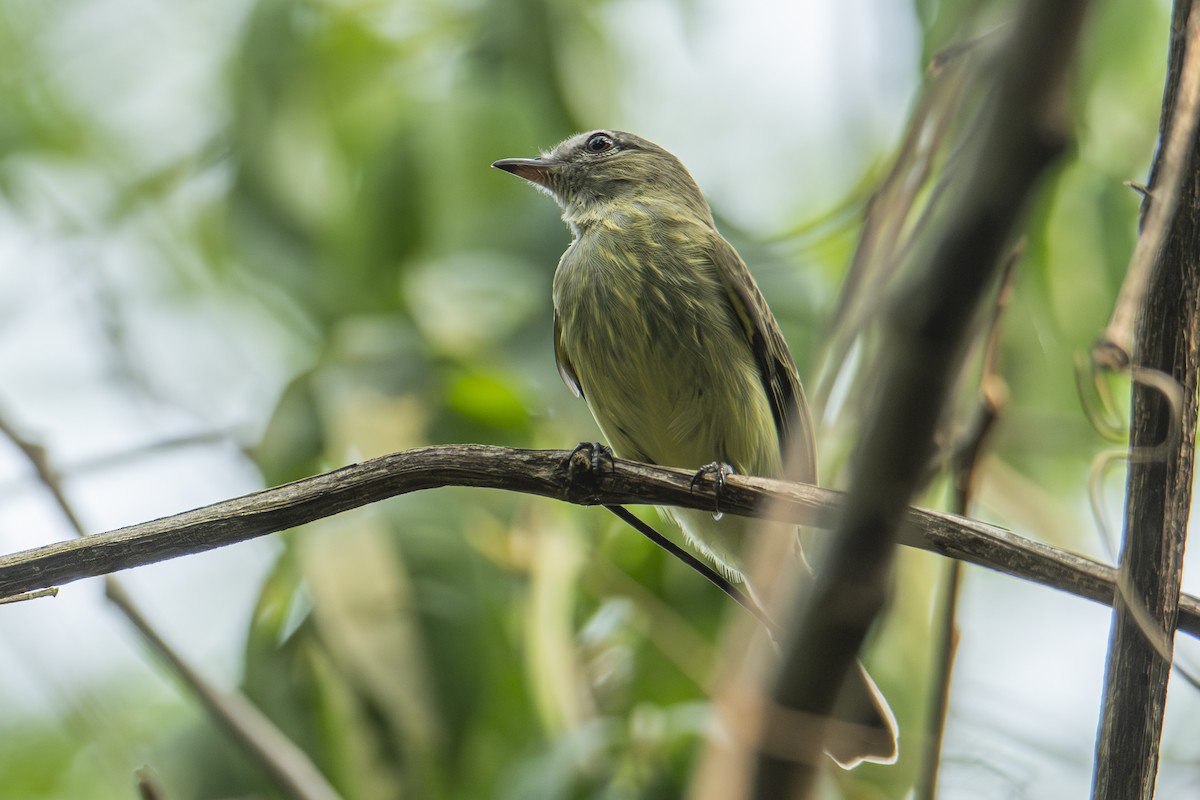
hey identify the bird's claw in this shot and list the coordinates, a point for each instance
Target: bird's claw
(720, 472)
(590, 457)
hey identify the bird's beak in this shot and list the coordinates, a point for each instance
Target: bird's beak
(534, 170)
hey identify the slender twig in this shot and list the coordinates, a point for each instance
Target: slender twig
(1179, 127)
(892, 217)
(257, 736)
(129, 455)
(707, 572)
(992, 397)
(20, 598)
(148, 785)
(287, 764)
(946, 648)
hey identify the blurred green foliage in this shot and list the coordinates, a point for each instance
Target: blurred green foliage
(466, 644)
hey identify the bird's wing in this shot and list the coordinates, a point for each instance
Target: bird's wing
(565, 369)
(775, 364)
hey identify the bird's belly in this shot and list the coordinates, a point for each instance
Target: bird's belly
(675, 388)
(660, 401)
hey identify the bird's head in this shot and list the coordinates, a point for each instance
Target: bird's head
(597, 174)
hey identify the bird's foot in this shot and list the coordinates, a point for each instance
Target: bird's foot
(590, 457)
(720, 472)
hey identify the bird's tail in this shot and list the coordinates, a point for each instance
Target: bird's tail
(863, 727)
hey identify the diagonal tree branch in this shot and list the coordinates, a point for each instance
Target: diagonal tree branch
(282, 759)
(1021, 131)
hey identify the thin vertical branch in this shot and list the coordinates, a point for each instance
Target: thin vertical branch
(1162, 448)
(947, 648)
(992, 398)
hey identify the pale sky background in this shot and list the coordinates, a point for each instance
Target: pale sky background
(813, 85)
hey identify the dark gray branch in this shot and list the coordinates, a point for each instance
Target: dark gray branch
(1022, 130)
(545, 473)
(1162, 442)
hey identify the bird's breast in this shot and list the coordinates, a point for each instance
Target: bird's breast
(662, 360)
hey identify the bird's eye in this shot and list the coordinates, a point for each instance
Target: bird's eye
(600, 143)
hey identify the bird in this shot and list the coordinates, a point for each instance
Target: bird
(660, 327)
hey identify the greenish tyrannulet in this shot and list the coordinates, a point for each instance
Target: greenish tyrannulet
(660, 327)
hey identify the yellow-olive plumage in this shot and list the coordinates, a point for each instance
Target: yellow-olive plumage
(661, 328)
